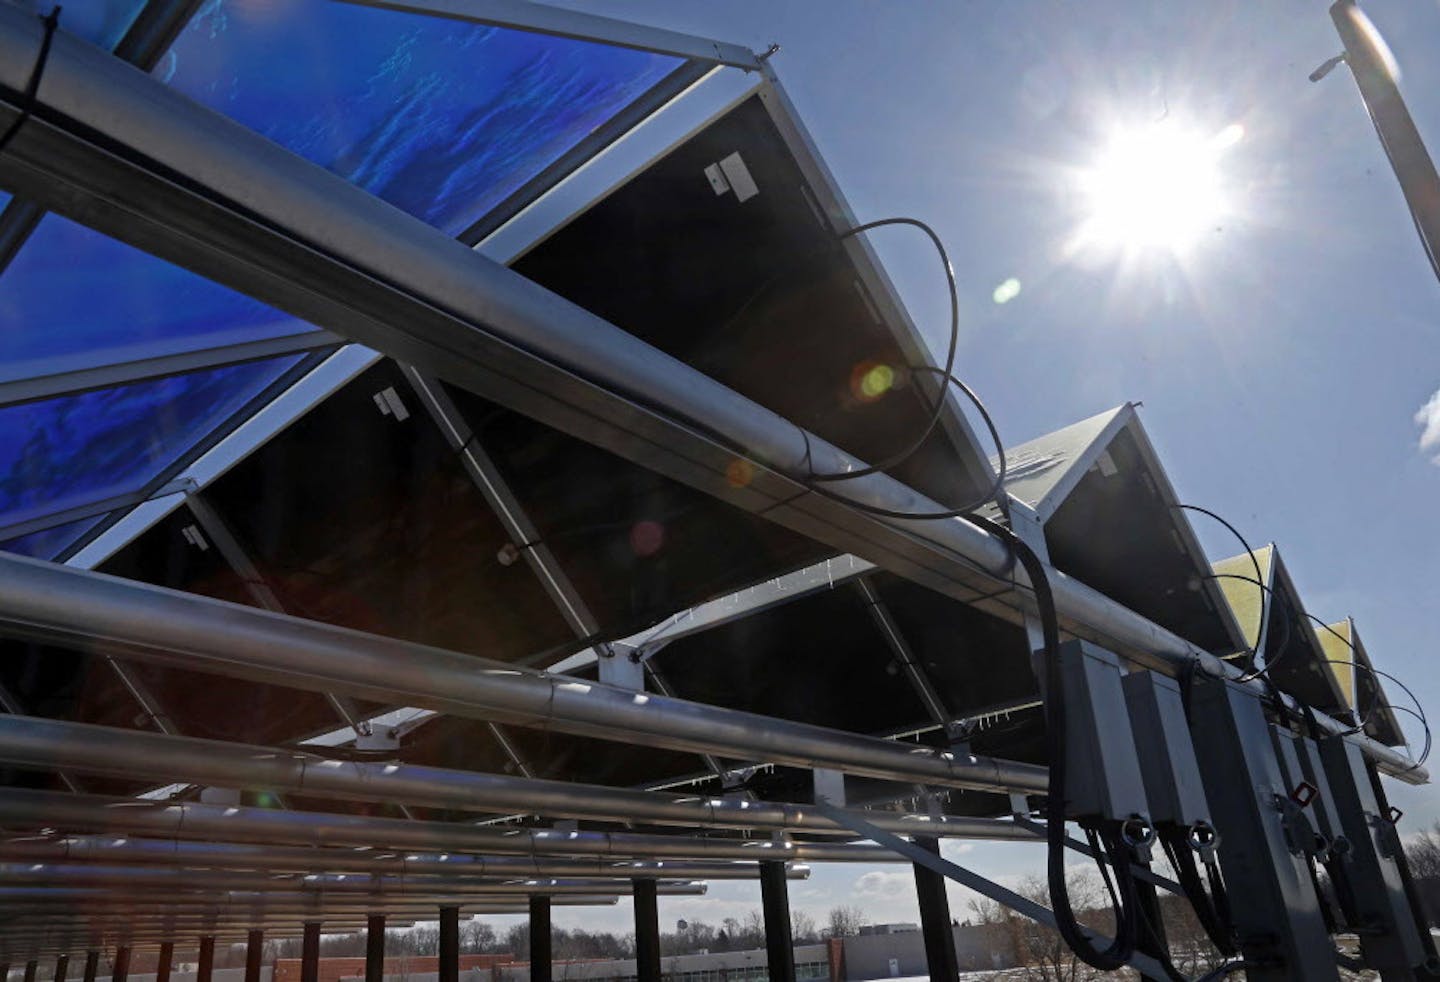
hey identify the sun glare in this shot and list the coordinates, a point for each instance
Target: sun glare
(1156, 188)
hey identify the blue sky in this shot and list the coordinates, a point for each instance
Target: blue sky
(1281, 361)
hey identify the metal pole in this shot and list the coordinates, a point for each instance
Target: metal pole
(310, 953)
(23, 808)
(121, 969)
(92, 966)
(935, 917)
(167, 959)
(449, 944)
(375, 948)
(254, 954)
(30, 968)
(48, 743)
(250, 206)
(62, 968)
(775, 901)
(229, 855)
(264, 646)
(541, 959)
(205, 961)
(647, 932)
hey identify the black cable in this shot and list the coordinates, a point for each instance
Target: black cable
(37, 71)
(1212, 909)
(1259, 575)
(1122, 946)
(901, 456)
(1283, 648)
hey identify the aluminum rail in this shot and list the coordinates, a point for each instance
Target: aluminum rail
(104, 145)
(28, 741)
(156, 624)
(138, 878)
(14, 898)
(28, 809)
(108, 849)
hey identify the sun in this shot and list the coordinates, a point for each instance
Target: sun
(1156, 188)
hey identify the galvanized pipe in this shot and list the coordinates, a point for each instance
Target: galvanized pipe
(249, 902)
(29, 741)
(148, 622)
(475, 323)
(30, 809)
(140, 878)
(227, 855)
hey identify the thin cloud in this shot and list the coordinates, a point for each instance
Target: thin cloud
(1428, 418)
(882, 884)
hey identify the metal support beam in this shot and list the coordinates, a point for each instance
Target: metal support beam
(45, 743)
(449, 965)
(264, 221)
(775, 904)
(541, 957)
(986, 888)
(504, 503)
(120, 970)
(647, 932)
(900, 648)
(40, 520)
(255, 954)
(62, 968)
(190, 821)
(935, 917)
(166, 961)
(30, 968)
(174, 628)
(53, 385)
(92, 967)
(309, 953)
(205, 960)
(375, 948)
(12, 705)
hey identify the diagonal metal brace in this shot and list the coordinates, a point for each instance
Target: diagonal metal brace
(1142, 963)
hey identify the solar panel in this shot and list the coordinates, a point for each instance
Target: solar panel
(150, 308)
(439, 117)
(103, 22)
(73, 450)
(48, 543)
(722, 255)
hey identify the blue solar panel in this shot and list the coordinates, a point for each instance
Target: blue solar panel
(439, 117)
(103, 22)
(66, 452)
(47, 543)
(74, 298)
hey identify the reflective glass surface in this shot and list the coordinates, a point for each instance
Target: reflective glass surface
(103, 22)
(47, 543)
(441, 118)
(61, 453)
(73, 298)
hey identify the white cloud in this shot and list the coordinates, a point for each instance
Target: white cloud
(879, 883)
(1428, 418)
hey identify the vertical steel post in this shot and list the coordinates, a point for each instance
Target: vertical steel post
(540, 957)
(30, 968)
(62, 968)
(775, 900)
(309, 953)
(254, 952)
(121, 969)
(375, 948)
(205, 961)
(449, 944)
(4, 972)
(935, 917)
(92, 965)
(647, 931)
(167, 958)
(1277, 915)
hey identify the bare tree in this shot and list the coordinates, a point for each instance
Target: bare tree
(802, 927)
(846, 921)
(1039, 950)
